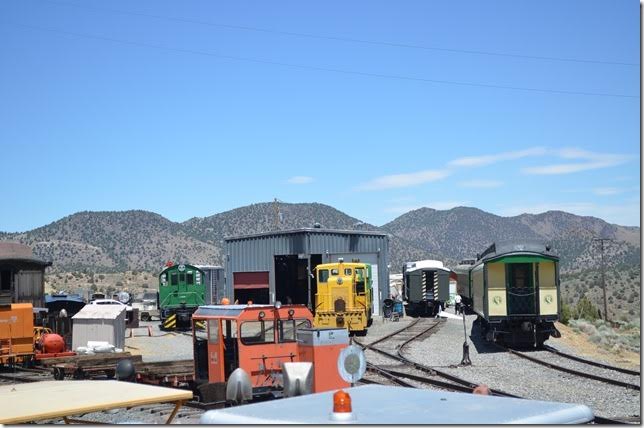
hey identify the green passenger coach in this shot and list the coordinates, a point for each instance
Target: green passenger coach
(514, 289)
(181, 291)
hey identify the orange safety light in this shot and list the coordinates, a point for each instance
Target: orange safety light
(341, 402)
(225, 301)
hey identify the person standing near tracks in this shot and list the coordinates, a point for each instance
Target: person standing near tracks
(457, 304)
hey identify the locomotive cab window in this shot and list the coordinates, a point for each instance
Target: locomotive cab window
(190, 278)
(334, 272)
(213, 331)
(347, 272)
(256, 332)
(360, 282)
(174, 279)
(286, 329)
(182, 278)
(323, 275)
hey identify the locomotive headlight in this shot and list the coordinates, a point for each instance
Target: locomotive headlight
(278, 304)
(291, 312)
(339, 281)
(262, 314)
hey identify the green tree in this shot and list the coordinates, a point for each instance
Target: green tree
(586, 310)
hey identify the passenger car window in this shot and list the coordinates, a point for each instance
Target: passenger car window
(323, 275)
(256, 332)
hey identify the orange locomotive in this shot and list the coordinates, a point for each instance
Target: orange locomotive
(259, 339)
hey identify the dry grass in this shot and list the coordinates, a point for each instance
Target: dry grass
(583, 346)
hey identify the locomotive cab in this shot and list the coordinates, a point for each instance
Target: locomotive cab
(255, 338)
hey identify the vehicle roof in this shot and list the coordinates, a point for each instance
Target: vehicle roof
(379, 404)
(426, 265)
(107, 300)
(234, 311)
(348, 264)
(528, 247)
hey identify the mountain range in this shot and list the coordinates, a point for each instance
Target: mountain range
(118, 241)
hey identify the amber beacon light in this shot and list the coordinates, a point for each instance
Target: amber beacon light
(341, 402)
(342, 407)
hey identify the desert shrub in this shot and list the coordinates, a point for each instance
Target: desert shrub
(566, 313)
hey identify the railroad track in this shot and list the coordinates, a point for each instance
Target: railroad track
(24, 375)
(455, 383)
(589, 362)
(575, 372)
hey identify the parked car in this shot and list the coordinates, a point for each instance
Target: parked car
(129, 314)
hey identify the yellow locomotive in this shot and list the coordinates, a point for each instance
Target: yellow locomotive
(344, 296)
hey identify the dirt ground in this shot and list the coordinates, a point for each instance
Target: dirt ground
(584, 347)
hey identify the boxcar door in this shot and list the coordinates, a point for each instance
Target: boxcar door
(520, 288)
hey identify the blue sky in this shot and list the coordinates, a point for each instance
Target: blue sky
(196, 107)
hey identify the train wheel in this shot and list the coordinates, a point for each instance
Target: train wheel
(78, 374)
(59, 374)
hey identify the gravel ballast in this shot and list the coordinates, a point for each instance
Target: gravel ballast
(509, 373)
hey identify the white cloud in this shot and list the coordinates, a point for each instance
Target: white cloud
(481, 184)
(300, 179)
(607, 191)
(589, 161)
(403, 180)
(490, 159)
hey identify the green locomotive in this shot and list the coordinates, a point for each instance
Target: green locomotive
(181, 291)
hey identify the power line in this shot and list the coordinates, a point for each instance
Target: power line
(316, 68)
(345, 39)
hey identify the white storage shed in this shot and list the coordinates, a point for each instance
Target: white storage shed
(104, 323)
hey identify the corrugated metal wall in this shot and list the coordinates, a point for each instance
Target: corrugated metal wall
(256, 253)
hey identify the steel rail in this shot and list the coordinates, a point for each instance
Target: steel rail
(592, 363)
(421, 379)
(387, 374)
(382, 339)
(607, 421)
(426, 369)
(571, 371)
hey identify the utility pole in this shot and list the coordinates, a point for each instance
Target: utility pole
(277, 213)
(601, 242)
